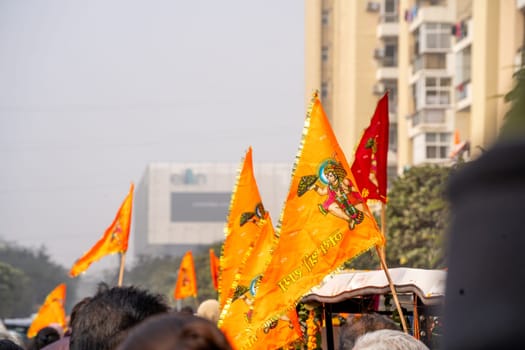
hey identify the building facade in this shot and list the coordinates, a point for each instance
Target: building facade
(184, 206)
(446, 65)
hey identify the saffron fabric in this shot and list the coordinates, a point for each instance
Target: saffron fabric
(51, 312)
(370, 162)
(186, 285)
(246, 218)
(316, 237)
(214, 269)
(114, 240)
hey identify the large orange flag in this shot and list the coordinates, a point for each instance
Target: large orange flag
(324, 223)
(370, 163)
(246, 218)
(51, 311)
(214, 269)
(236, 314)
(114, 240)
(186, 279)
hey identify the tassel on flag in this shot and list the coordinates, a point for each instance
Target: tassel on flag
(370, 163)
(324, 219)
(51, 312)
(114, 240)
(186, 285)
(214, 269)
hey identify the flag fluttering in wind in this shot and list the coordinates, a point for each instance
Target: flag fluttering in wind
(214, 269)
(51, 312)
(370, 163)
(186, 285)
(246, 219)
(114, 240)
(236, 314)
(325, 222)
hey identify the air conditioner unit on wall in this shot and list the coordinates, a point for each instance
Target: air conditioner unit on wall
(379, 52)
(373, 6)
(378, 89)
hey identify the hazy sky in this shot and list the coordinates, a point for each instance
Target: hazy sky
(93, 91)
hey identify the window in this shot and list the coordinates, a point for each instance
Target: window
(437, 145)
(325, 17)
(437, 91)
(324, 53)
(434, 37)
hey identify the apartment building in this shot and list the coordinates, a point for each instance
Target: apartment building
(446, 65)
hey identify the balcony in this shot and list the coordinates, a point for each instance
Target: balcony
(463, 96)
(431, 14)
(387, 73)
(388, 26)
(462, 32)
(428, 120)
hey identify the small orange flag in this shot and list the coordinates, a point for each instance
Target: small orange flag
(246, 218)
(114, 240)
(51, 311)
(186, 279)
(370, 163)
(324, 223)
(214, 269)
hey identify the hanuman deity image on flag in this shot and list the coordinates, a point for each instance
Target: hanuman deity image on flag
(342, 200)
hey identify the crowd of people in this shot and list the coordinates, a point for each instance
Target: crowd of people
(130, 318)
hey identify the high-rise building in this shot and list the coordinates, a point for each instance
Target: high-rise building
(184, 206)
(446, 65)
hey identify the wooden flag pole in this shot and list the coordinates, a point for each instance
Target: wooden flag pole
(392, 289)
(121, 272)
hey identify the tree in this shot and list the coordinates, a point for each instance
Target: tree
(159, 275)
(42, 276)
(14, 287)
(417, 217)
(514, 126)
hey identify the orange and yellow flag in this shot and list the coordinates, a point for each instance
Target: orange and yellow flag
(186, 285)
(114, 240)
(246, 218)
(324, 223)
(51, 312)
(214, 269)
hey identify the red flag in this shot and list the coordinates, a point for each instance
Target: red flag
(214, 269)
(186, 279)
(114, 240)
(370, 163)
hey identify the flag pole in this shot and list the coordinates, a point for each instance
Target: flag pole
(392, 288)
(121, 272)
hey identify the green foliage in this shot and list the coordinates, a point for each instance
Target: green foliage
(159, 275)
(38, 276)
(14, 287)
(514, 127)
(417, 217)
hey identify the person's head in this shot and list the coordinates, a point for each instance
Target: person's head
(102, 322)
(175, 331)
(43, 337)
(8, 344)
(357, 326)
(209, 309)
(388, 339)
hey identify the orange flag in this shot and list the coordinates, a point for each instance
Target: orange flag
(51, 311)
(214, 269)
(114, 240)
(370, 163)
(186, 279)
(246, 218)
(236, 314)
(324, 223)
